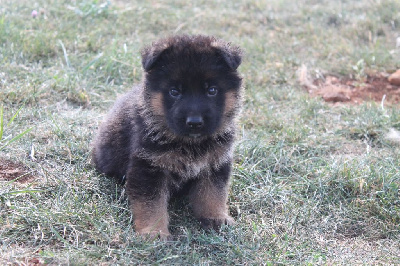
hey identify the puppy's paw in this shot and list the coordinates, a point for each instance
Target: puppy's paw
(216, 223)
(149, 234)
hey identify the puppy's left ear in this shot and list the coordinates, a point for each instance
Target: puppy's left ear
(151, 54)
(232, 55)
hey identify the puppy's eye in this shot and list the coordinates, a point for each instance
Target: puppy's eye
(212, 91)
(174, 92)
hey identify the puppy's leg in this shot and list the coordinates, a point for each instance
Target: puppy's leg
(208, 196)
(151, 217)
(148, 195)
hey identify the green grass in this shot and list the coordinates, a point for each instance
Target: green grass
(312, 183)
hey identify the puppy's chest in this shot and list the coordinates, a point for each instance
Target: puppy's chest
(189, 161)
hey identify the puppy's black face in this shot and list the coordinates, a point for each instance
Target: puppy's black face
(194, 87)
(193, 99)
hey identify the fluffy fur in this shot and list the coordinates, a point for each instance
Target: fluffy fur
(175, 131)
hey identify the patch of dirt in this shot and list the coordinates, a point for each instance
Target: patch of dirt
(375, 87)
(346, 90)
(10, 170)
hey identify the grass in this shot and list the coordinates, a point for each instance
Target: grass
(312, 183)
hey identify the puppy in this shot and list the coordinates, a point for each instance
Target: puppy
(175, 132)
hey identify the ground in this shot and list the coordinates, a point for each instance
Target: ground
(10, 171)
(346, 90)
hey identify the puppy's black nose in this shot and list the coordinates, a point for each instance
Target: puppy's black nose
(194, 121)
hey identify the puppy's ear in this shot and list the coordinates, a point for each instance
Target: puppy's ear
(232, 55)
(151, 54)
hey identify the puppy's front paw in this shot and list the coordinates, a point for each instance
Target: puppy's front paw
(216, 223)
(150, 234)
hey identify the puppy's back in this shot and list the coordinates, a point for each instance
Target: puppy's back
(113, 143)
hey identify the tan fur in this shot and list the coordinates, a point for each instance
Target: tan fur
(151, 217)
(233, 103)
(209, 202)
(230, 102)
(156, 104)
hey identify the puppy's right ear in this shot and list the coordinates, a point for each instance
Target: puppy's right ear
(151, 54)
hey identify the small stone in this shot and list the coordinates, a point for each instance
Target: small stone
(335, 97)
(394, 79)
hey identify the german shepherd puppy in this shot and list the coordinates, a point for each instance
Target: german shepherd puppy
(175, 132)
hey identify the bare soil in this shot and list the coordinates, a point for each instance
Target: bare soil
(10, 170)
(346, 90)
